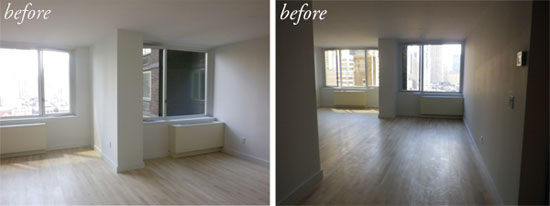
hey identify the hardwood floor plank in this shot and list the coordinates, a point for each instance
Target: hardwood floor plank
(80, 176)
(372, 161)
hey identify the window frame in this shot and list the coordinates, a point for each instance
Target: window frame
(403, 65)
(208, 97)
(41, 103)
(365, 49)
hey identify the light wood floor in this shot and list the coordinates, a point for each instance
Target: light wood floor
(373, 161)
(79, 176)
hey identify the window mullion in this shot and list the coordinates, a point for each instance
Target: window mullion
(164, 69)
(421, 57)
(338, 69)
(365, 56)
(41, 98)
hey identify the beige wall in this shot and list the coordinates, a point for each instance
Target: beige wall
(490, 77)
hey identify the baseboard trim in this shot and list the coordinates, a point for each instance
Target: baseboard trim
(19, 154)
(105, 158)
(302, 190)
(193, 153)
(155, 155)
(247, 157)
(68, 146)
(139, 165)
(493, 192)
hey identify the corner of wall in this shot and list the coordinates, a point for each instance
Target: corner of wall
(302, 190)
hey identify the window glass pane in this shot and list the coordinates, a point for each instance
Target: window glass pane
(184, 83)
(331, 66)
(412, 73)
(352, 67)
(197, 84)
(202, 84)
(147, 85)
(57, 91)
(152, 82)
(442, 68)
(372, 68)
(18, 82)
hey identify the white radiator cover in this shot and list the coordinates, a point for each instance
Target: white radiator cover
(22, 139)
(193, 139)
(442, 105)
(350, 98)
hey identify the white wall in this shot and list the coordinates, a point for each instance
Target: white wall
(104, 83)
(490, 78)
(407, 104)
(389, 66)
(117, 97)
(130, 98)
(71, 131)
(241, 97)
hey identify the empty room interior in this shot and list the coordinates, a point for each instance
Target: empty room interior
(135, 102)
(416, 102)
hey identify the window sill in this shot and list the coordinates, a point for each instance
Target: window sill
(35, 118)
(440, 94)
(188, 120)
(350, 88)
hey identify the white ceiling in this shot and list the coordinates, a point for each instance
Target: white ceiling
(185, 23)
(360, 24)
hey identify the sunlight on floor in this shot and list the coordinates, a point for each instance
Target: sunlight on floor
(358, 111)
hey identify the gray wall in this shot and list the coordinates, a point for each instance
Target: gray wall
(319, 56)
(241, 97)
(389, 66)
(490, 77)
(298, 164)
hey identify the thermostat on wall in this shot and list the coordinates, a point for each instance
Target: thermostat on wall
(521, 59)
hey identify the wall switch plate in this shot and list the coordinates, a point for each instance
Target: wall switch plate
(243, 140)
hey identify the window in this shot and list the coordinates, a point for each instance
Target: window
(351, 68)
(34, 82)
(177, 89)
(412, 69)
(432, 67)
